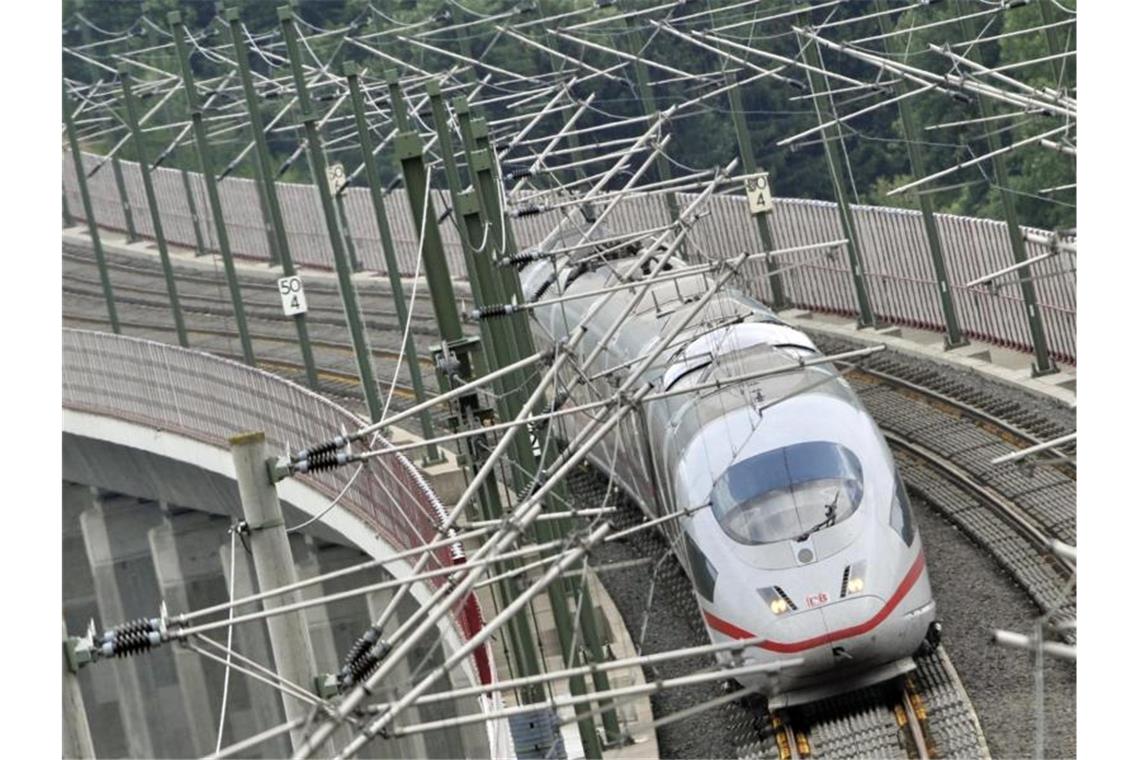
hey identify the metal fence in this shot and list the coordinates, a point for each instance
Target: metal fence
(896, 256)
(210, 399)
(899, 271)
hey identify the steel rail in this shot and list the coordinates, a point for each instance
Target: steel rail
(1004, 507)
(269, 313)
(328, 345)
(969, 410)
(917, 732)
(311, 287)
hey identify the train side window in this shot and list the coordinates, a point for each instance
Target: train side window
(901, 519)
(704, 574)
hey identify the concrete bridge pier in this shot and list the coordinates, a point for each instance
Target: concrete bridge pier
(189, 578)
(274, 564)
(115, 532)
(99, 690)
(320, 619)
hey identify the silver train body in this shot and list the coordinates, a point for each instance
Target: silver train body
(798, 528)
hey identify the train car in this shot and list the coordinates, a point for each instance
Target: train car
(795, 526)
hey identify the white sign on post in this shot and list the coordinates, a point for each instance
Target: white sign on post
(759, 193)
(336, 177)
(292, 296)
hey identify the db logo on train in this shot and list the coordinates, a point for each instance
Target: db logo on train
(816, 599)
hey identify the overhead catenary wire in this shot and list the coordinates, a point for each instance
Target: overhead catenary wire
(229, 641)
(285, 688)
(977, 160)
(653, 687)
(433, 613)
(996, 74)
(415, 551)
(252, 669)
(571, 513)
(454, 393)
(979, 120)
(920, 27)
(549, 148)
(842, 119)
(525, 513)
(921, 76)
(696, 270)
(566, 560)
(177, 631)
(777, 57)
(1014, 33)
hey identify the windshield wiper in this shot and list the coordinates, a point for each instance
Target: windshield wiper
(827, 522)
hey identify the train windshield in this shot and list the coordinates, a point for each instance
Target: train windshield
(788, 493)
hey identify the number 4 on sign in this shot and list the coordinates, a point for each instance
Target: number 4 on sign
(292, 296)
(759, 193)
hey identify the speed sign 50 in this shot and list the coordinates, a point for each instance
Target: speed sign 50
(292, 296)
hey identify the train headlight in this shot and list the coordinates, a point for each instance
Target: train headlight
(854, 578)
(778, 602)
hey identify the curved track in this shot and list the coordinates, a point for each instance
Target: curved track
(944, 427)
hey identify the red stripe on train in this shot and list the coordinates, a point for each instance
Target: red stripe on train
(908, 581)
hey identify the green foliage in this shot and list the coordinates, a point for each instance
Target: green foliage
(874, 158)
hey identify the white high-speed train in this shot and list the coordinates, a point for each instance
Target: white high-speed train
(799, 528)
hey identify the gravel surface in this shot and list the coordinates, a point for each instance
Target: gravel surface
(974, 596)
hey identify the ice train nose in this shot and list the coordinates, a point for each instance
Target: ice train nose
(840, 632)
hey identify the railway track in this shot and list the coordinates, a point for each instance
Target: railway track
(1010, 432)
(1019, 425)
(145, 311)
(891, 720)
(879, 724)
(219, 307)
(254, 281)
(317, 343)
(911, 714)
(1012, 513)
